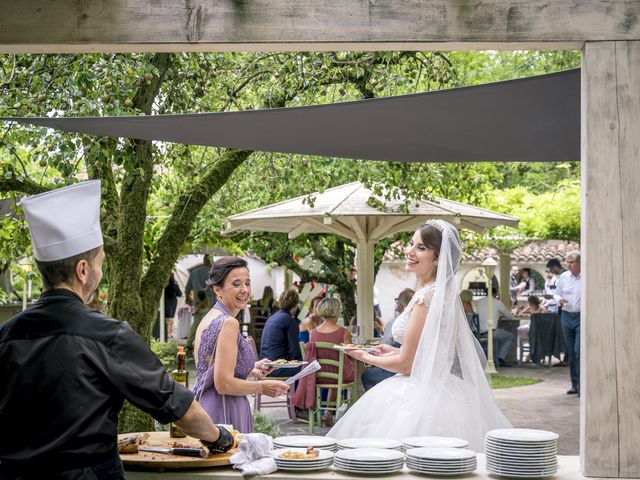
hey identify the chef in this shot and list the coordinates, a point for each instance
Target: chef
(65, 369)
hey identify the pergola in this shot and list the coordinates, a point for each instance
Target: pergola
(607, 32)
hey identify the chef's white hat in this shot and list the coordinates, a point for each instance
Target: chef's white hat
(64, 222)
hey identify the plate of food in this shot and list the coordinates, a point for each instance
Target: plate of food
(352, 346)
(282, 363)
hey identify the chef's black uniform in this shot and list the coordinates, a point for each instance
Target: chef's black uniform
(65, 371)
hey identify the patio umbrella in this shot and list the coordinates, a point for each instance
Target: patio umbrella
(345, 211)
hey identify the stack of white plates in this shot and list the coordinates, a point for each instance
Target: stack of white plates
(384, 443)
(304, 441)
(441, 460)
(323, 460)
(520, 452)
(420, 442)
(368, 461)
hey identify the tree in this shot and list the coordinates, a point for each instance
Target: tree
(133, 171)
(181, 187)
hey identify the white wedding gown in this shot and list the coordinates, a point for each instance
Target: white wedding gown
(446, 394)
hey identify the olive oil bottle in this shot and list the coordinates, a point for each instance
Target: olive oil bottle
(180, 375)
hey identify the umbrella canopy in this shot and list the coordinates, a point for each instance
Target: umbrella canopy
(345, 211)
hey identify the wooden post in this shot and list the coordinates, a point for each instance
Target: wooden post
(364, 289)
(505, 270)
(610, 402)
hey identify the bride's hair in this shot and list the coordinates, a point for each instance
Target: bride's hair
(431, 235)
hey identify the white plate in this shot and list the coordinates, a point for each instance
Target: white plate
(322, 455)
(369, 455)
(427, 463)
(442, 474)
(519, 448)
(303, 469)
(413, 463)
(522, 435)
(519, 474)
(370, 443)
(440, 453)
(352, 349)
(418, 442)
(421, 468)
(304, 441)
(522, 453)
(284, 365)
(369, 471)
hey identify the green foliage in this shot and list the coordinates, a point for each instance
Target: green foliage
(4, 297)
(265, 424)
(506, 381)
(549, 215)
(166, 352)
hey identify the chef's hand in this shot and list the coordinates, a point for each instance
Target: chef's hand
(224, 442)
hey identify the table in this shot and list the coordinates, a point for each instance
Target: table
(568, 469)
(545, 337)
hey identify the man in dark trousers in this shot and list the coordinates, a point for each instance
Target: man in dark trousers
(65, 369)
(568, 296)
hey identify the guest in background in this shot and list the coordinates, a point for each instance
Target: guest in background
(374, 375)
(197, 281)
(310, 322)
(280, 335)
(266, 304)
(534, 305)
(502, 339)
(199, 311)
(568, 295)
(514, 285)
(527, 283)
(171, 293)
(466, 297)
(329, 331)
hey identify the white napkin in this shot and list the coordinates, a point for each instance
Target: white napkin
(253, 457)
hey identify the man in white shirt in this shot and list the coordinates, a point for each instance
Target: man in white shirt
(568, 297)
(502, 339)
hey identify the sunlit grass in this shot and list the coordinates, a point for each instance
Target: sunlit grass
(504, 381)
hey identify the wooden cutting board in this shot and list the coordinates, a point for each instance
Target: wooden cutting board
(162, 461)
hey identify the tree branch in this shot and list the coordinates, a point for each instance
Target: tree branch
(24, 185)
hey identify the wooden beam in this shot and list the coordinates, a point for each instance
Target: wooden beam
(197, 25)
(610, 413)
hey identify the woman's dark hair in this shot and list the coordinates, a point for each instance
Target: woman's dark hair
(57, 272)
(534, 300)
(528, 270)
(431, 237)
(289, 299)
(221, 268)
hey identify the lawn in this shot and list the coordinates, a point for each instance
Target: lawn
(504, 381)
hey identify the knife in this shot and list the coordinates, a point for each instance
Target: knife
(187, 452)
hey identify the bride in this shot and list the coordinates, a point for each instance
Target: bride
(440, 388)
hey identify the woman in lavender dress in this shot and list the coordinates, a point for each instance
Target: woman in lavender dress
(224, 358)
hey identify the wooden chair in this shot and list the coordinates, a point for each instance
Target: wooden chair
(259, 405)
(345, 392)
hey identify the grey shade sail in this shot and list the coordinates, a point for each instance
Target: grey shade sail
(525, 120)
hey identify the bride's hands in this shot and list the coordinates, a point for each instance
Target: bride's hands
(384, 349)
(357, 354)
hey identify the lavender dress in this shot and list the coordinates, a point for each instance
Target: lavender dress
(225, 409)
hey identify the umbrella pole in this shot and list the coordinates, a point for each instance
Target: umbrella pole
(364, 289)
